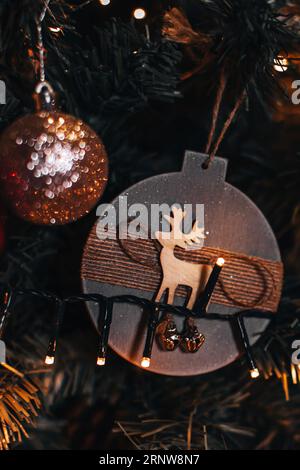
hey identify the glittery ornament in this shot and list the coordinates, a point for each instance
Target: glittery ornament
(53, 167)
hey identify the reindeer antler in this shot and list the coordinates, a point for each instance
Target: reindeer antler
(195, 236)
(176, 220)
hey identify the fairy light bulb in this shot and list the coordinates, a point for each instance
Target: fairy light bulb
(145, 362)
(139, 13)
(220, 262)
(101, 361)
(104, 2)
(54, 29)
(281, 64)
(49, 360)
(254, 373)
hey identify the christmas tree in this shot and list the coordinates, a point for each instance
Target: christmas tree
(151, 79)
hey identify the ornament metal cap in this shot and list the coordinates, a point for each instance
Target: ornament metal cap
(44, 96)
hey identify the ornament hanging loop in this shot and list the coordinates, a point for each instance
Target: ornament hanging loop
(44, 96)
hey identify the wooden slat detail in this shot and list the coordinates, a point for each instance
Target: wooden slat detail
(249, 282)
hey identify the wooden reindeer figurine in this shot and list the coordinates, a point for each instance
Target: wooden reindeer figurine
(178, 272)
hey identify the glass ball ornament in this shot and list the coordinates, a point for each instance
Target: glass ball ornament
(53, 167)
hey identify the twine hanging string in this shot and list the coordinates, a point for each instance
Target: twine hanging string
(270, 282)
(211, 149)
(216, 110)
(246, 281)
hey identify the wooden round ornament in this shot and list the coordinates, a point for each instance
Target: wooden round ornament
(232, 227)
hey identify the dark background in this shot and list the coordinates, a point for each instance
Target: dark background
(146, 127)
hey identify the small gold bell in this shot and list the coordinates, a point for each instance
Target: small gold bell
(191, 338)
(167, 333)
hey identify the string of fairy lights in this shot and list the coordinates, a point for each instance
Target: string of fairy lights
(154, 311)
(281, 63)
(138, 13)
